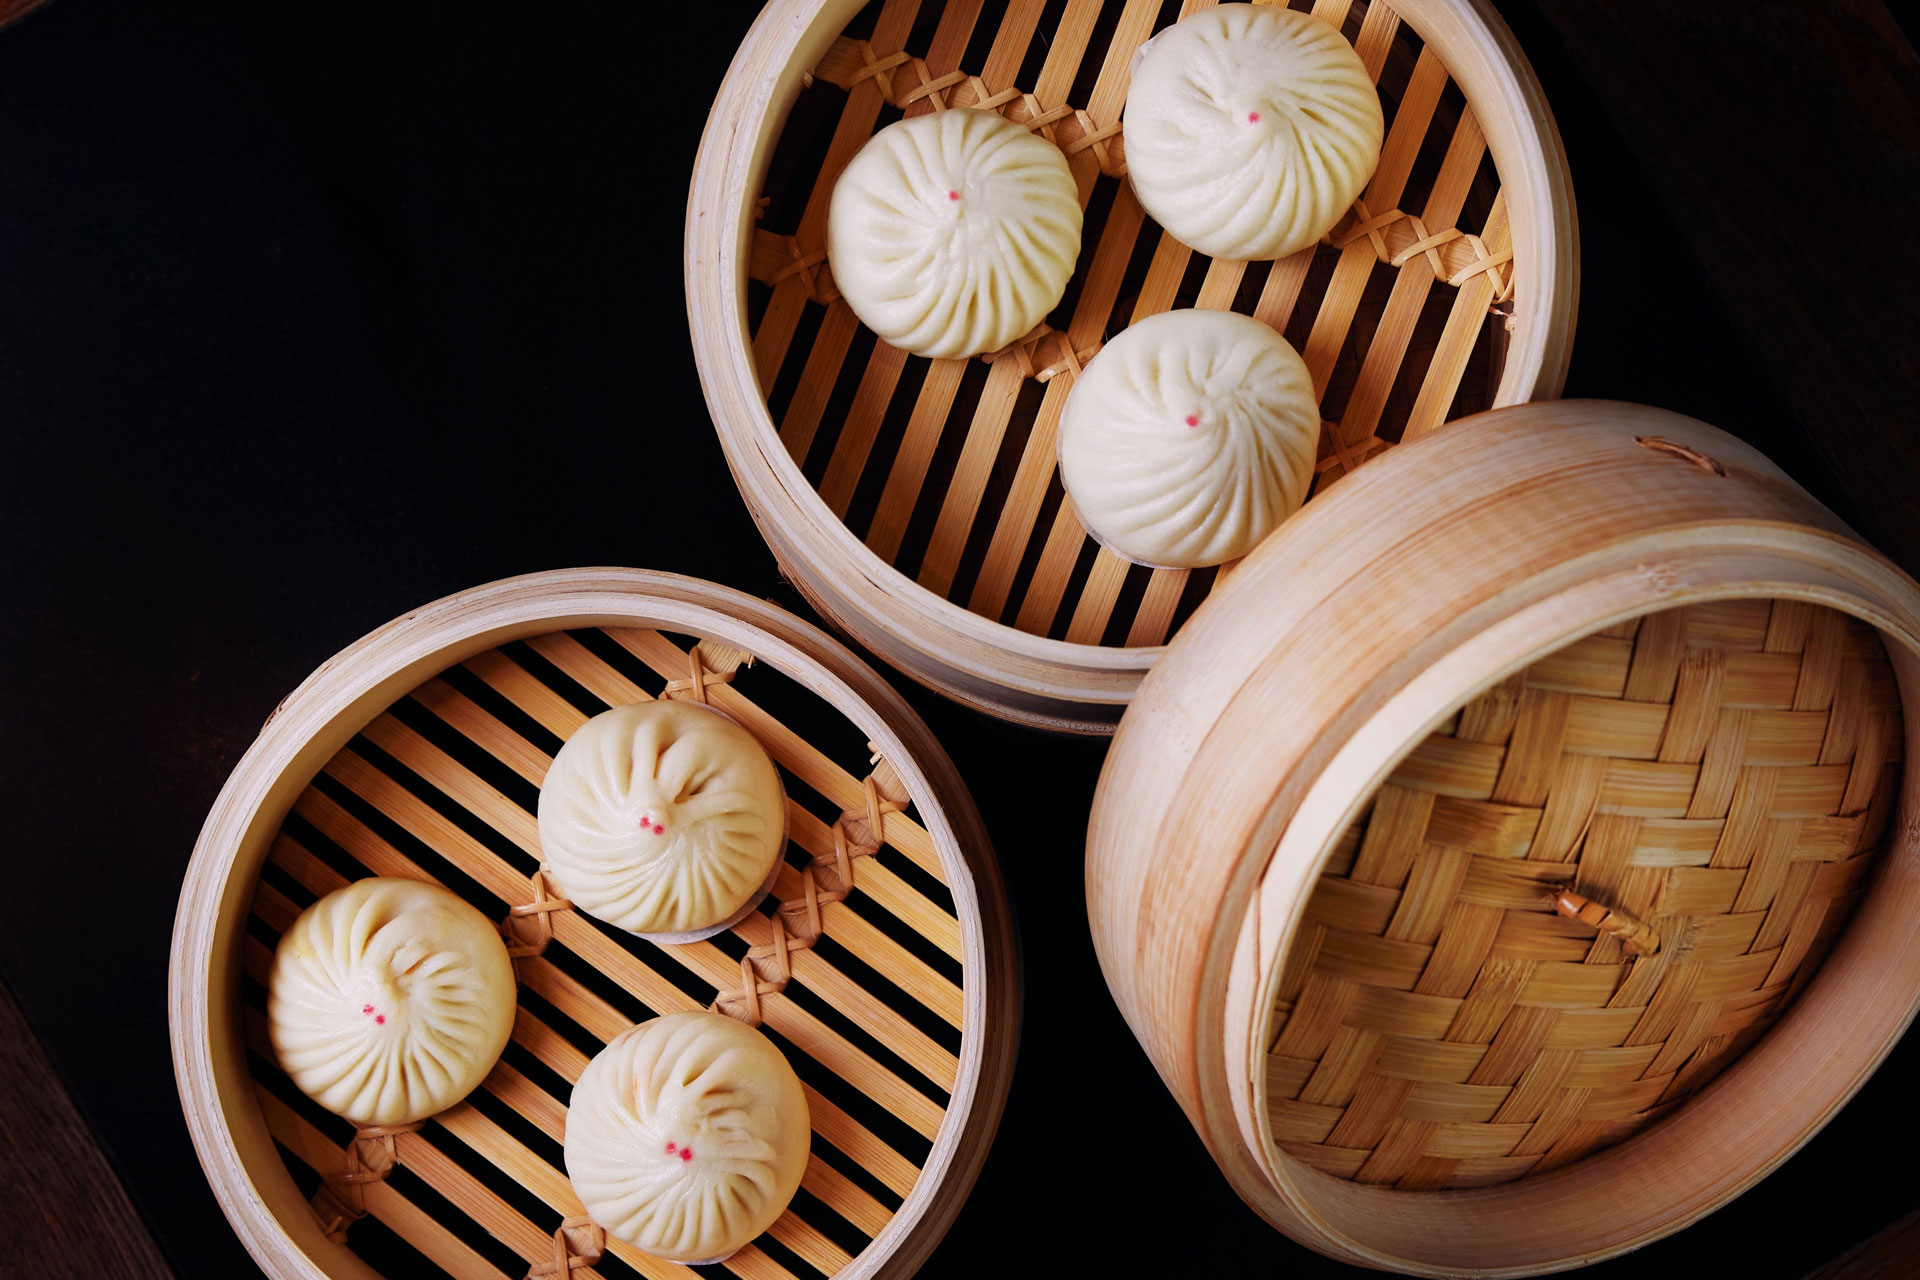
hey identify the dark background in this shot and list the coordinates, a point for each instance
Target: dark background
(310, 314)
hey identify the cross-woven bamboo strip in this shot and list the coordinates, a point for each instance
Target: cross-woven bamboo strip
(848, 884)
(1711, 783)
(1027, 568)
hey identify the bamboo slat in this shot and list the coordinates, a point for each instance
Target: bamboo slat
(904, 1066)
(936, 489)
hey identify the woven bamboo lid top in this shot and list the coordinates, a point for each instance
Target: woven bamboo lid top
(1706, 788)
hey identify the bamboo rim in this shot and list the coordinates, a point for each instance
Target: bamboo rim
(1003, 669)
(235, 1127)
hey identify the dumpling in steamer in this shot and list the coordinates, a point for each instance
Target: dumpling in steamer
(1189, 437)
(687, 1136)
(662, 818)
(389, 1000)
(1250, 129)
(954, 233)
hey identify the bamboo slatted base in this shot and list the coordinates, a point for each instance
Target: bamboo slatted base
(944, 469)
(1723, 774)
(864, 966)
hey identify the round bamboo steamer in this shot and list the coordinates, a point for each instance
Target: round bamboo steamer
(1578, 646)
(914, 502)
(883, 965)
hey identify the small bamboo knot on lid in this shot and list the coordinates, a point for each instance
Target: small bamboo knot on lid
(1635, 935)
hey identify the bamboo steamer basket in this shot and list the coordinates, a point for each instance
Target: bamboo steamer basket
(1467, 864)
(914, 502)
(883, 965)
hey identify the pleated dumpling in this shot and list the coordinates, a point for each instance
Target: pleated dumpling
(1189, 437)
(954, 233)
(389, 1000)
(662, 818)
(687, 1136)
(1250, 129)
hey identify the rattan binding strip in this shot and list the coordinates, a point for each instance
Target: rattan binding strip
(1575, 904)
(873, 828)
(1401, 363)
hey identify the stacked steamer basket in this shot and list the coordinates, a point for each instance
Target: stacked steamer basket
(882, 965)
(1547, 852)
(914, 501)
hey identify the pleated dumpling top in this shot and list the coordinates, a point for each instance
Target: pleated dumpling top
(954, 233)
(662, 818)
(389, 1000)
(1250, 129)
(687, 1136)
(1189, 437)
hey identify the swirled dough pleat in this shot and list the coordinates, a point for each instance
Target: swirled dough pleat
(389, 1000)
(1189, 437)
(1250, 130)
(687, 1136)
(954, 233)
(661, 817)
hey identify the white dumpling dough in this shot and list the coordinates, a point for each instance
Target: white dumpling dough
(389, 1000)
(661, 817)
(1250, 130)
(955, 233)
(687, 1136)
(1189, 437)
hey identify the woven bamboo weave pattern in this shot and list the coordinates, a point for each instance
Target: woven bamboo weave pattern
(1708, 787)
(852, 966)
(946, 468)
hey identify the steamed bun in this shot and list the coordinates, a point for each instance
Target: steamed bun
(662, 817)
(1250, 129)
(389, 1000)
(687, 1136)
(1188, 437)
(954, 233)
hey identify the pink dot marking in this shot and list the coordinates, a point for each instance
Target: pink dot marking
(1253, 117)
(380, 1019)
(953, 195)
(686, 1153)
(1193, 419)
(659, 830)
(670, 1148)
(367, 1009)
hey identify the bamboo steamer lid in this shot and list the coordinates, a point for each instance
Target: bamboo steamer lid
(1581, 650)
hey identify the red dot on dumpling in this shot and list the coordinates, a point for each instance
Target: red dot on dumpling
(1193, 419)
(670, 1148)
(686, 1153)
(380, 1018)
(1253, 117)
(659, 830)
(953, 195)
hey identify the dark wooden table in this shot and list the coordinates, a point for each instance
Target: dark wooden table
(289, 292)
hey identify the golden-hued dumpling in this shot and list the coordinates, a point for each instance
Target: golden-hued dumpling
(687, 1136)
(955, 233)
(1250, 129)
(1189, 437)
(662, 818)
(389, 1000)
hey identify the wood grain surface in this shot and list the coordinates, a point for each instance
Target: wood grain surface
(63, 1213)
